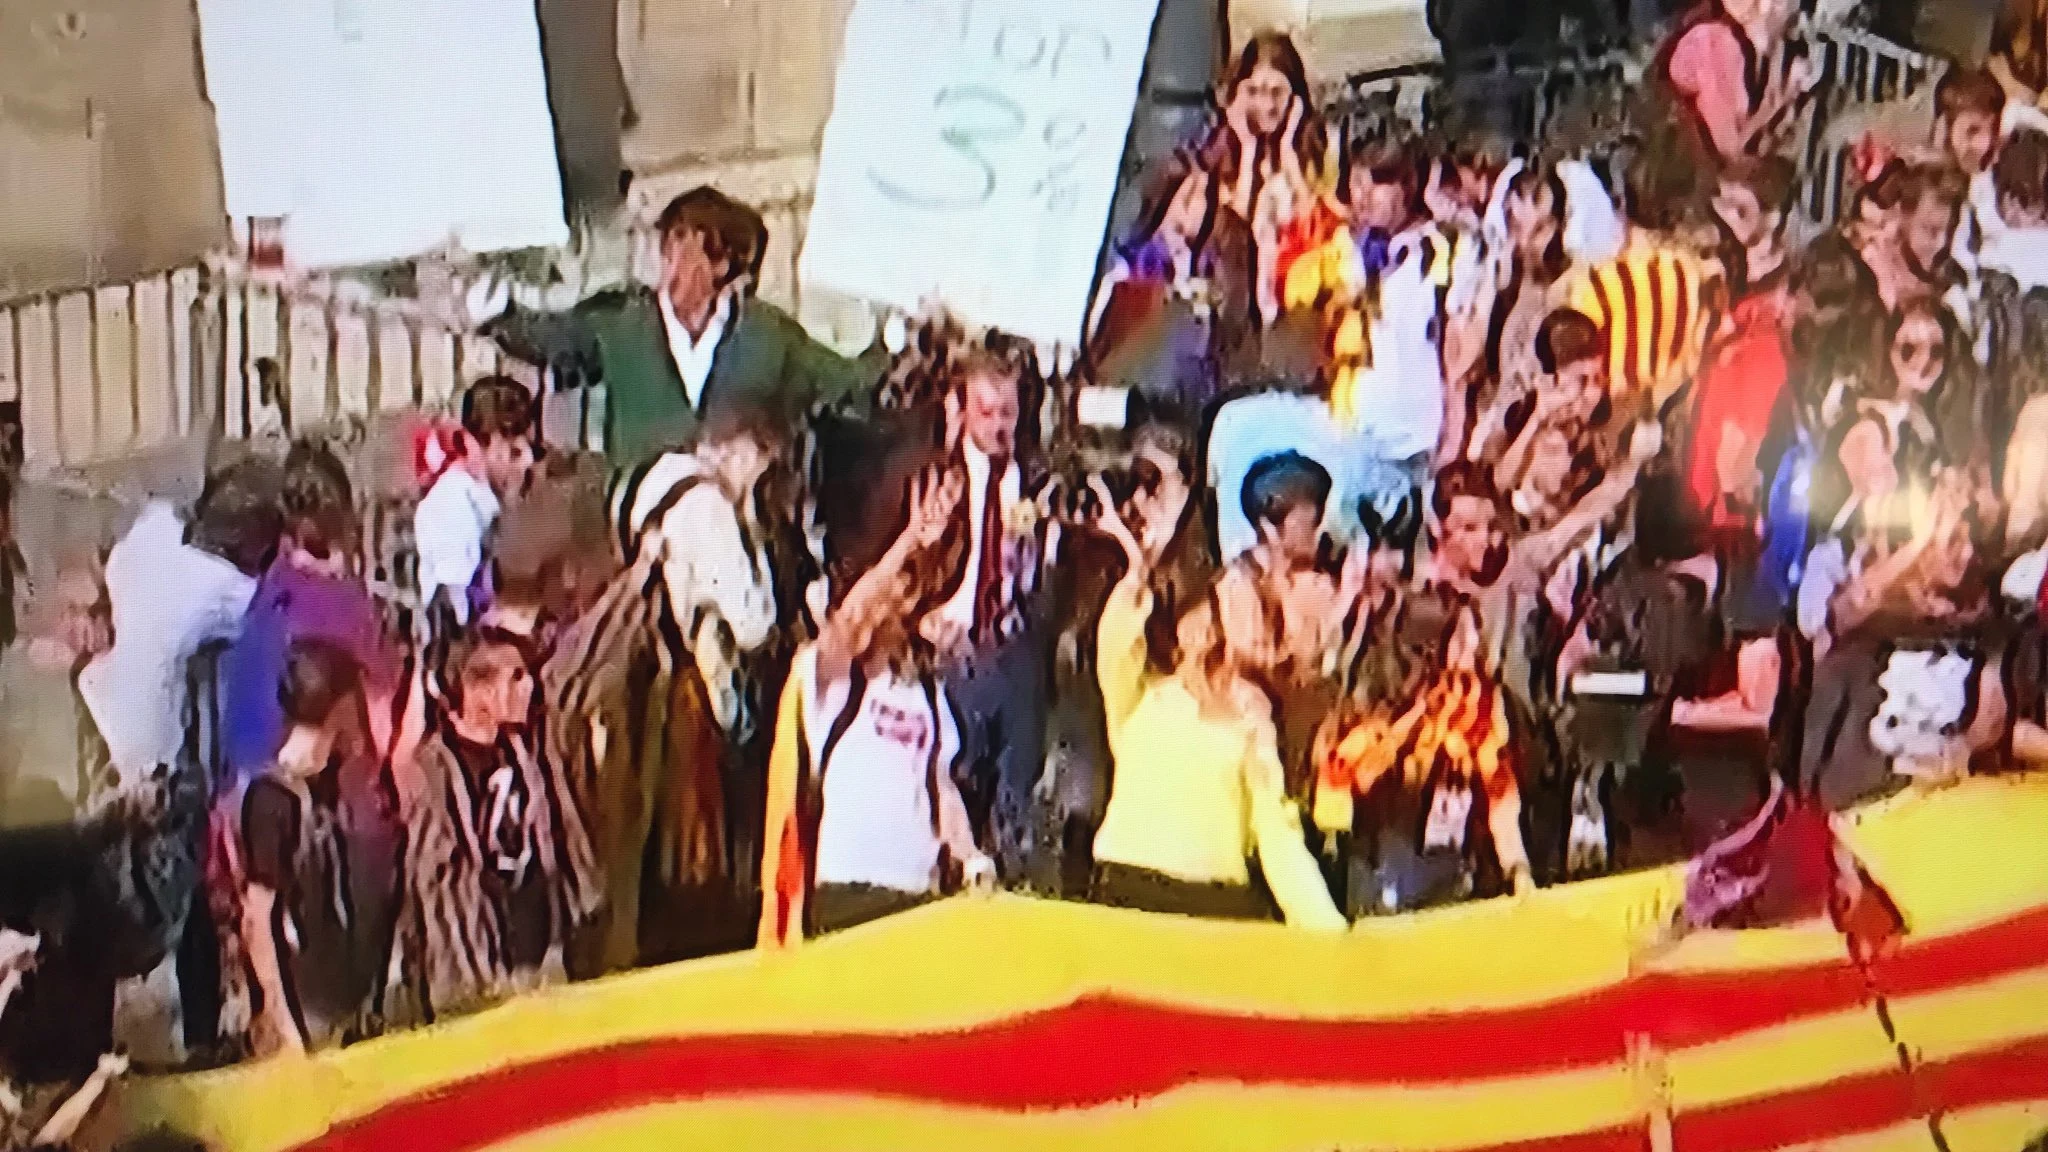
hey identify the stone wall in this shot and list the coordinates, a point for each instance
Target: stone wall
(732, 90)
(733, 93)
(108, 162)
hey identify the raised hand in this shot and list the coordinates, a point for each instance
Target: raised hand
(1112, 522)
(933, 498)
(1647, 441)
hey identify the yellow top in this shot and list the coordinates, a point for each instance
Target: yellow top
(1195, 796)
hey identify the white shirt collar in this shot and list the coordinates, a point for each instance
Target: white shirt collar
(478, 495)
(694, 357)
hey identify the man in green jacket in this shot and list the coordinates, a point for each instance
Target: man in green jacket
(670, 355)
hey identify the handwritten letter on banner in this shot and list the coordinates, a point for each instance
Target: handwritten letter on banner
(972, 155)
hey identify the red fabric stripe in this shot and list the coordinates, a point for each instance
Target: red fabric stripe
(501, 1109)
(1659, 356)
(1100, 1050)
(1631, 312)
(1686, 287)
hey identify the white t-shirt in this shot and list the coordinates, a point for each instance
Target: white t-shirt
(2021, 253)
(876, 827)
(1400, 399)
(168, 600)
(448, 530)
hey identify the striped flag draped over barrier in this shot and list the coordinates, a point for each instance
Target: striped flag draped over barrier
(1010, 1023)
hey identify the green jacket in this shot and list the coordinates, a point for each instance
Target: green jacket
(765, 358)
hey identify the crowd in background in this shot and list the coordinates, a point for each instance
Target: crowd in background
(1426, 518)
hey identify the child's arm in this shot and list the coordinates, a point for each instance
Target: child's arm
(259, 918)
(64, 1124)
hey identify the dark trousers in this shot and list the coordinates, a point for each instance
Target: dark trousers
(999, 698)
(1143, 890)
(837, 907)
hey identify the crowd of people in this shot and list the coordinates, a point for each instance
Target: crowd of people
(1424, 519)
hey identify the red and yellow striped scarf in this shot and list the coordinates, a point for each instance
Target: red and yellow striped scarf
(1458, 725)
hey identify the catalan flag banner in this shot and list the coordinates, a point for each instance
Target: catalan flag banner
(1557, 1022)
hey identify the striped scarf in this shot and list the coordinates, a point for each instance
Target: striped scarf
(1655, 302)
(1457, 730)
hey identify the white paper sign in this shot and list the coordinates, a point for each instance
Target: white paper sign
(381, 129)
(972, 155)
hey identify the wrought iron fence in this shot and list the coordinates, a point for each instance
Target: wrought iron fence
(1524, 98)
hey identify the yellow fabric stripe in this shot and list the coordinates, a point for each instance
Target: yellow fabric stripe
(2006, 1128)
(1959, 857)
(1940, 1026)
(1639, 288)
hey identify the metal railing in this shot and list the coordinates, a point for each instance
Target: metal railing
(1523, 98)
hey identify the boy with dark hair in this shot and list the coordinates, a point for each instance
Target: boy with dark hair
(1752, 204)
(1968, 108)
(1273, 596)
(310, 594)
(670, 355)
(489, 465)
(1969, 111)
(2018, 246)
(482, 905)
(284, 872)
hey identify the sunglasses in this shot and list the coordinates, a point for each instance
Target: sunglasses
(1914, 351)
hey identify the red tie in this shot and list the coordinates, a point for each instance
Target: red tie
(988, 577)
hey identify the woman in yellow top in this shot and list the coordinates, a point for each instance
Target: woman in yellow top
(1198, 784)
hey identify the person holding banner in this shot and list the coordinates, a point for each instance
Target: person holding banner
(697, 341)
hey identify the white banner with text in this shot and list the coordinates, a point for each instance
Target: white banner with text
(972, 155)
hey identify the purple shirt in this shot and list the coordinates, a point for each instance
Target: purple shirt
(291, 605)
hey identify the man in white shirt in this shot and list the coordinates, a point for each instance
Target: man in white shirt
(171, 593)
(671, 355)
(987, 631)
(490, 462)
(1395, 409)
(169, 599)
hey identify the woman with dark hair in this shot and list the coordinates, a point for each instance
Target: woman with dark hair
(1198, 789)
(1090, 565)
(1534, 210)
(1894, 414)
(864, 817)
(1177, 319)
(1271, 130)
